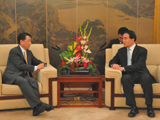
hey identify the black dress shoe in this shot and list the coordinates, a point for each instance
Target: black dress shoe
(133, 112)
(48, 107)
(39, 109)
(150, 111)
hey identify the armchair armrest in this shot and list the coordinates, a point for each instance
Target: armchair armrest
(0, 83)
(43, 76)
(46, 55)
(158, 74)
(116, 75)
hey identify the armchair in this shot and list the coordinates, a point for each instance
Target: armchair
(11, 96)
(114, 95)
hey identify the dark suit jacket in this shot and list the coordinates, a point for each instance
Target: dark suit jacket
(113, 41)
(139, 57)
(17, 66)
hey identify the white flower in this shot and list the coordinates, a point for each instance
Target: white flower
(69, 60)
(88, 51)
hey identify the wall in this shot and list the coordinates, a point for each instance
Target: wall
(56, 22)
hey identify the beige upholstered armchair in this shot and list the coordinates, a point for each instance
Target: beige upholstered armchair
(11, 96)
(114, 95)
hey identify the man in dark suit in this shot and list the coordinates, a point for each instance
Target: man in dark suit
(131, 60)
(21, 62)
(119, 40)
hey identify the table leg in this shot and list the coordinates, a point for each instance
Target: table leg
(62, 89)
(95, 88)
(58, 94)
(100, 94)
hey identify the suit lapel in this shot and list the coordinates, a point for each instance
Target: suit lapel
(125, 56)
(21, 54)
(134, 53)
(28, 57)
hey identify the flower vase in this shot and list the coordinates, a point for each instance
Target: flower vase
(72, 67)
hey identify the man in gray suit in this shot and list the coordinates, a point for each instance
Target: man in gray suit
(21, 62)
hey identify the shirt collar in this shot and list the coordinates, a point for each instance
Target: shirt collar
(132, 47)
(22, 49)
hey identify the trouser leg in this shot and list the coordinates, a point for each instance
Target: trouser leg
(128, 84)
(29, 90)
(146, 83)
(33, 82)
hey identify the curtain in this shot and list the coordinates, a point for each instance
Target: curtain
(157, 22)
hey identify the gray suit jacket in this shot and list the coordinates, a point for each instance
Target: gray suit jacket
(17, 66)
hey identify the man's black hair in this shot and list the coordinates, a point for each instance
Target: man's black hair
(122, 30)
(132, 34)
(22, 36)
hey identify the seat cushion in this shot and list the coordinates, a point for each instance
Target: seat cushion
(138, 88)
(153, 70)
(14, 89)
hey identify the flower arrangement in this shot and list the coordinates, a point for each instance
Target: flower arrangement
(77, 53)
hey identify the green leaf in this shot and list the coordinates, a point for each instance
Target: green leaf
(94, 67)
(76, 68)
(86, 26)
(65, 66)
(90, 32)
(61, 56)
(66, 54)
(92, 59)
(83, 53)
(81, 30)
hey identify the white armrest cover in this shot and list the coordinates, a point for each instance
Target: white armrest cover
(43, 76)
(116, 74)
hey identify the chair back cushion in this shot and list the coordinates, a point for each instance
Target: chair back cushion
(37, 50)
(153, 56)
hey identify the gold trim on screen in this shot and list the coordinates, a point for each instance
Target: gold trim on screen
(157, 22)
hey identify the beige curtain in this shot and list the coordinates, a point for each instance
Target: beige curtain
(157, 22)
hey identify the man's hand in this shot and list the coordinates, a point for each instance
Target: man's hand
(40, 66)
(117, 67)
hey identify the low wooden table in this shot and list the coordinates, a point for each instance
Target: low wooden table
(79, 79)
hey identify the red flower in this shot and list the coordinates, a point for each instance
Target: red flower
(78, 55)
(79, 38)
(78, 47)
(90, 62)
(85, 64)
(63, 63)
(77, 65)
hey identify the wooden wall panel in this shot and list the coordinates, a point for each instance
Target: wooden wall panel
(145, 21)
(61, 27)
(7, 22)
(57, 22)
(121, 13)
(31, 18)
